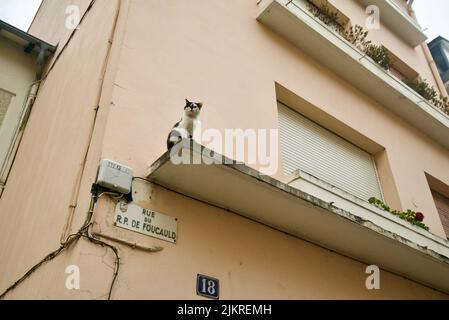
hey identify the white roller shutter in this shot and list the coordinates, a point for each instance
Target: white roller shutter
(315, 150)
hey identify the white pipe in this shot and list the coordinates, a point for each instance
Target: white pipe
(75, 194)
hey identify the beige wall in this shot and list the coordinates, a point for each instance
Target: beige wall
(252, 261)
(163, 52)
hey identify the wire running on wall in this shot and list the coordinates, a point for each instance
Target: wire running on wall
(84, 232)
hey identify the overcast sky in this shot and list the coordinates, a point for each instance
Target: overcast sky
(433, 15)
(19, 13)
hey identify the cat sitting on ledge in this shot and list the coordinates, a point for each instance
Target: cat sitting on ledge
(185, 128)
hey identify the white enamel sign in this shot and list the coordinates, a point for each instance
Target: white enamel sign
(147, 222)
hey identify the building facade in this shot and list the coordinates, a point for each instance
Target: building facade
(336, 136)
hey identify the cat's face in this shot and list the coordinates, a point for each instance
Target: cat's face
(193, 108)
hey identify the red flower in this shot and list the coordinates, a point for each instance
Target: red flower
(419, 216)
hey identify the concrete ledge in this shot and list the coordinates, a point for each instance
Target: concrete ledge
(348, 202)
(361, 233)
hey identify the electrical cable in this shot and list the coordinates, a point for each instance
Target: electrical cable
(84, 232)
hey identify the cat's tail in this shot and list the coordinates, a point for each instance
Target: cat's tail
(173, 138)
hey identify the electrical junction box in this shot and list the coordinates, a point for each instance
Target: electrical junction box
(115, 176)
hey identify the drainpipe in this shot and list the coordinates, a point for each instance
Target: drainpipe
(10, 155)
(428, 55)
(44, 52)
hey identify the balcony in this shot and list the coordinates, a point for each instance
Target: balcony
(293, 21)
(307, 208)
(395, 16)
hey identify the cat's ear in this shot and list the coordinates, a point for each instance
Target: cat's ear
(187, 102)
(200, 105)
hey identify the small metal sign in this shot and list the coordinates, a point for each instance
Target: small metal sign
(145, 221)
(208, 287)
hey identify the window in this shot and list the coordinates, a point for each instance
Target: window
(438, 56)
(8, 112)
(442, 204)
(5, 101)
(317, 151)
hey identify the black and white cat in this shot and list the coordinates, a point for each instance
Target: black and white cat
(185, 128)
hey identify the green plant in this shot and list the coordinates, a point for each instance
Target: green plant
(356, 35)
(379, 54)
(414, 218)
(326, 15)
(426, 90)
(423, 88)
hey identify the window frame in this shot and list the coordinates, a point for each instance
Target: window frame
(12, 96)
(338, 137)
